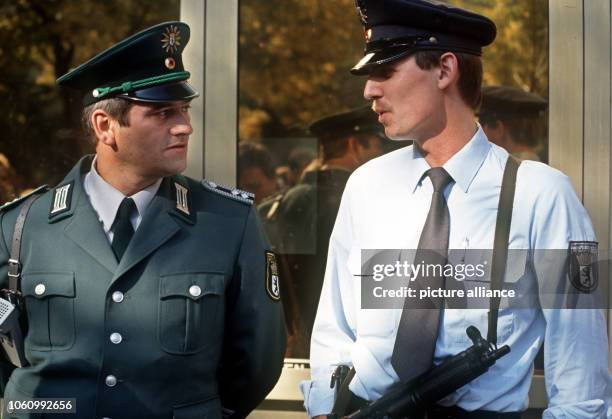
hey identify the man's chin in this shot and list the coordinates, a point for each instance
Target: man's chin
(399, 136)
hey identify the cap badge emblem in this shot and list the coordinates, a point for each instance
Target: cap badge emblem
(170, 63)
(171, 39)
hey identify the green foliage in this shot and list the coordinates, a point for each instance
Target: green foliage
(519, 55)
(294, 61)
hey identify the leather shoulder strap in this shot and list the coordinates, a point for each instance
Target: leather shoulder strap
(14, 266)
(500, 244)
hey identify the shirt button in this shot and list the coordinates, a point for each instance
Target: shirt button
(116, 338)
(40, 289)
(195, 291)
(117, 296)
(110, 381)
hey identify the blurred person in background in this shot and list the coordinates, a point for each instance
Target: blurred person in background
(256, 171)
(299, 221)
(515, 120)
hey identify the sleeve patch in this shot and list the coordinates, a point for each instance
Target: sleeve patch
(272, 278)
(582, 268)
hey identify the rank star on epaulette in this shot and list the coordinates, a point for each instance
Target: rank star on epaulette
(583, 273)
(22, 198)
(272, 278)
(234, 193)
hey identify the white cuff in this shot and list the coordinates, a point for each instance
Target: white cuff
(318, 397)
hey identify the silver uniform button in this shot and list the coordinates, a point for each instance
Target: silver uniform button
(117, 296)
(116, 338)
(40, 289)
(195, 291)
(110, 381)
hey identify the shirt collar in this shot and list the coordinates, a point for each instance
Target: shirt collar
(106, 199)
(463, 166)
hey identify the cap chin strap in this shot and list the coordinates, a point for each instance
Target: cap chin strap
(129, 86)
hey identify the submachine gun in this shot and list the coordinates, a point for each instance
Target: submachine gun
(411, 400)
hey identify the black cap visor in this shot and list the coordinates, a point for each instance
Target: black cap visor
(172, 92)
(375, 59)
(389, 43)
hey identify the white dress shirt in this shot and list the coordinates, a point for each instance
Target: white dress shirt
(384, 206)
(105, 200)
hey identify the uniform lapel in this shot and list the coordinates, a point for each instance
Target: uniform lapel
(156, 228)
(84, 227)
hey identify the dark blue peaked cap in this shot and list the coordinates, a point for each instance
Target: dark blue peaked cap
(396, 28)
(146, 67)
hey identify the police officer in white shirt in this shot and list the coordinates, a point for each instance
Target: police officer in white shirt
(424, 74)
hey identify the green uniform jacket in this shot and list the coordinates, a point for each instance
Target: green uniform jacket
(184, 352)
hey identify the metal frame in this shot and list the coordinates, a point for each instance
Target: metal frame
(214, 35)
(579, 112)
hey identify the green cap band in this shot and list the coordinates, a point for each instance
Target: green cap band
(128, 86)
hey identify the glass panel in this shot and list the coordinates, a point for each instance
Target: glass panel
(294, 57)
(518, 58)
(40, 41)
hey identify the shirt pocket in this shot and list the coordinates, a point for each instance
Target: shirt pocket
(191, 307)
(49, 300)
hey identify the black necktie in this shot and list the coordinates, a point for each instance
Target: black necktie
(122, 227)
(418, 328)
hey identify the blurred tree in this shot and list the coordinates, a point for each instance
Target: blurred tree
(39, 41)
(294, 62)
(519, 55)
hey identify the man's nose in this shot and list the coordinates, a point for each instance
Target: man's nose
(182, 126)
(371, 90)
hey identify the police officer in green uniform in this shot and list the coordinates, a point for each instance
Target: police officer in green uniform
(147, 294)
(300, 220)
(515, 120)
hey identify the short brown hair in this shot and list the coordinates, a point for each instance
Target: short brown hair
(333, 146)
(116, 108)
(470, 73)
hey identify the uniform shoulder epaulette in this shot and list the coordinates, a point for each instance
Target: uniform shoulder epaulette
(22, 198)
(233, 193)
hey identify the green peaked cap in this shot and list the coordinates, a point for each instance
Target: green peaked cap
(146, 67)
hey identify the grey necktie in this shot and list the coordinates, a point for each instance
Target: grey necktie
(418, 328)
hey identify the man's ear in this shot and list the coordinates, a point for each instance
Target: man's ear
(448, 70)
(103, 126)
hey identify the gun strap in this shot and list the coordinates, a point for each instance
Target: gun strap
(501, 241)
(14, 266)
(344, 395)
